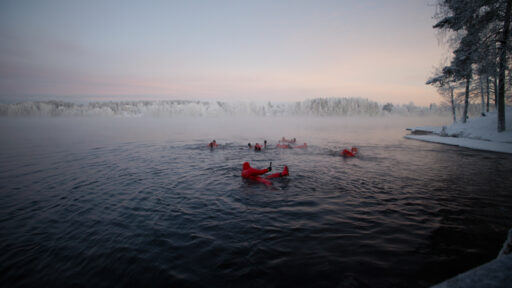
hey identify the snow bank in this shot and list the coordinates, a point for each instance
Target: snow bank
(477, 133)
(466, 143)
(493, 274)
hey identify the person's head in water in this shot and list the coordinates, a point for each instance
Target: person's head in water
(265, 143)
(249, 145)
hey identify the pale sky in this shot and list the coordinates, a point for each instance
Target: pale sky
(218, 50)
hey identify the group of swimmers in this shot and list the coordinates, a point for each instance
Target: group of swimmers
(255, 174)
(281, 144)
(290, 144)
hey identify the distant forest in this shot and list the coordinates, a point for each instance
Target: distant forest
(322, 107)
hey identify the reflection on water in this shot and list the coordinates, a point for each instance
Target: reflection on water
(109, 202)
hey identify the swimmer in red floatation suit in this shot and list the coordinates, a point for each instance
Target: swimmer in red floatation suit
(254, 174)
(351, 153)
(283, 146)
(284, 140)
(213, 144)
(257, 147)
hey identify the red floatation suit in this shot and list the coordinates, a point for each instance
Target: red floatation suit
(283, 146)
(284, 140)
(257, 147)
(351, 153)
(254, 174)
(302, 146)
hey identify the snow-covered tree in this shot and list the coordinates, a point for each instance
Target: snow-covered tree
(481, 33)
(387, 107)
(504, 44)
(446, 85)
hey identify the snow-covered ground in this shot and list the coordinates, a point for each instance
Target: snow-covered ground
(477, 133)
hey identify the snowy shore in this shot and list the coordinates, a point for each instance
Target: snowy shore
(477, 133)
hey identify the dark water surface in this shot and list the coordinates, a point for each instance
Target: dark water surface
(124, 202)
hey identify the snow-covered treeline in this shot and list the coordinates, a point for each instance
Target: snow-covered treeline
(166, 108)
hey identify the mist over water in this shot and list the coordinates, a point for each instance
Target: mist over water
(85, 131)
(115, 201)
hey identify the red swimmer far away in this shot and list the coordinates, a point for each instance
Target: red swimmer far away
(254, 174)
(213, 144)
(284, 140)
(257, 146)
(351, 153)
(290, 144)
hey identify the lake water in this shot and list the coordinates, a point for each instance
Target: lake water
(142, 201)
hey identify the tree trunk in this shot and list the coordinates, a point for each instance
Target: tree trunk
(466, 100)
(453, 105)
(488, 92)
(482, 96)
(496, 92)
(502, 67)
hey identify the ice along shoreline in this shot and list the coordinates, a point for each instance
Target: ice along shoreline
(478, 133)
